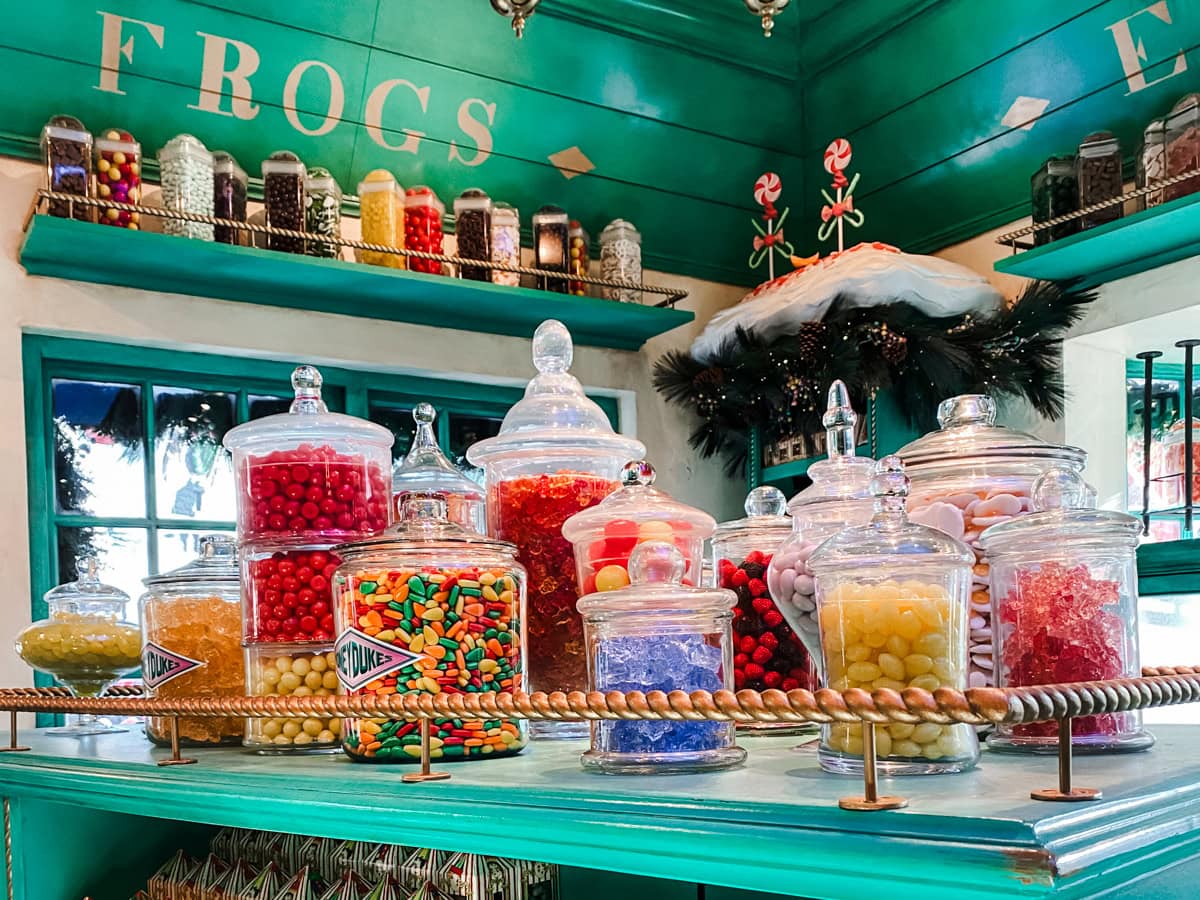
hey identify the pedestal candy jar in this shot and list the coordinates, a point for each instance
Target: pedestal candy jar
(426, 470)
(192, 641)
(892, 597)
(767, 653)
(555, 455)
(840, 495)
(84, 642)
(968, 476)
(1064, 599)
(658, 634)
(429, 606)
(605, 535)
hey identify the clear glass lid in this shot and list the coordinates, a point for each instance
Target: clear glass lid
(889, 538)
(766, 513)
(426, 469)
(841, 475)
(216, 563)
(555, 415)
(423, 526)
(87, 594)
(656, 570)
(1064, 516)
(637, 500)
(308, 419)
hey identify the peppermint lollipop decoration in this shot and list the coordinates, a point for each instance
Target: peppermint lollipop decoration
(839, 209)
(769, 241)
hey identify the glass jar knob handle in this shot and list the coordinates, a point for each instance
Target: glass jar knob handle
(656, 561)
(766, 500)
(889, 486)
(967, 409)
(306, 382)
(552, 347)
(87, 570)
(1061, 488)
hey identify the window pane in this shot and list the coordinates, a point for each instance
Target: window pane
(398, 420)
(192, 471)
(98, 448)
(120, 552)
(1167, 626)
(178, 548)
(262, 405)
(466, 430)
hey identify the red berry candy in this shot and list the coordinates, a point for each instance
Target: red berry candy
(762, 656)
(757, 587)
(739, 578)
(289, 599)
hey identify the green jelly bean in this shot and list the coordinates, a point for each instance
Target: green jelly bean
(454, 750)
(448, 643)
(504, 637)
(410, 739)
(490, 633)
(476, 655)
(454, 592)
(398, 607)
(367, 587)
(417, 586)
(391, 742)
(472, 592)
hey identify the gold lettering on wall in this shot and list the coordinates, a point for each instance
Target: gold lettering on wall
(213, 76)
(476, 130)
(337, 98)
(111, 48)
(1132, 51)
(373, 115)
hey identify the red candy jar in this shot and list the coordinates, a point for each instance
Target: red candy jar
(288, 594)
(605, 535)
(118, 176)
(555, 455)
(423, 213)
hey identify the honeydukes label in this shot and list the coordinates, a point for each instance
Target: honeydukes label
(160, 665)
(362, 659)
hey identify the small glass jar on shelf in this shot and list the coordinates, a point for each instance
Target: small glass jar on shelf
(1064, 598)
(1054, 190)
(229, 198)
(550, 250)
(1183, 146)
(579, 257)
(192, 641)
(425, 470)
(322, 212)
(284, 176)
(185, 169)
(892, 597)
(506, 243)
(621, 259)
(381, 206)
(1098, 173)
(1152, 162)
(430, 607)
(473, 232)
(118, 176)
(659, 634)
(423, 213)
(292, 670)
(67, 159)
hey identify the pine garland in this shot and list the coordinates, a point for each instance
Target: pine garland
(779, 385)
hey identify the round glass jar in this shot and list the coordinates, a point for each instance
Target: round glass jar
(839, 496)
(766, 651)
(556, 454)
(67, 160)
(425, 469)
(892, 596)
(658, 634)
(1064, 599)
(292, 670)
(84, 642)
(604, 536)
(192, 641)
(431, 607)
(968, 476)
(118, 176)
(309, 474)
(381, 218)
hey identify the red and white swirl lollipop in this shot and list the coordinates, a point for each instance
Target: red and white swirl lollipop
(767, 189)
(837, 156)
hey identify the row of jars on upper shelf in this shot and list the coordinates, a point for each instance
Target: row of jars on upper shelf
(1065, 184)
(298, 198)
(570, 570)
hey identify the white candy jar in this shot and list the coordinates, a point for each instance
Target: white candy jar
(658, 634)
(968, 476)
(892, 597)
(425, 470)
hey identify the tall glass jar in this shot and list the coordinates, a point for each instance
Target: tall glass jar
(192, 641)
(67, 159)
(118, 176)
(839, 496)
(621, 259)
(473, 232)
(969, 475)
(423, 213)
(430, 607)
(322, 212)
(506, 243)
(892, 597)
(659, 634)
(185, 169)
(1183, 146)
(284, 199)
(550, 230)
(555, 455)
(381, 206)
(1064, 599)
(579, 256)
(767, 653)
(425, 470)
(1098, 172)
(1152, 162)
(229, 198)
(1055, 192)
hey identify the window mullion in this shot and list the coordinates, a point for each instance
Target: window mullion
(151, 495)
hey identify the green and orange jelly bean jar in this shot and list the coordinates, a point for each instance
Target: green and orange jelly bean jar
(431, 607)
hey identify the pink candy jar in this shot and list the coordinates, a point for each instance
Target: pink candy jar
(1064, 604)
(972, 474)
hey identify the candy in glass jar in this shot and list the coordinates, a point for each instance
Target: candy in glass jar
(425, 470)
(284, 199)
(423, 213)
(381, 207)
(322, 212)
(1183, 146)
(1152, 162)
(185, 168)
(621, 259)
(556, 454)
(118, 176)
(766, 652)
(192, 641)
(473, 232)
(1064, 598)
(506, 243)
(1098, 171)
(292, 670)
(67, 157)
(892, 597)
(431, 607)
(84, 642)
(229, 198)
(550, 240)
(1054, 190)
(579, 257)
(287, 592)
(659, 634)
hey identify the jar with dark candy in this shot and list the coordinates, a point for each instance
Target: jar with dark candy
(67, 158)
(1055, 192)
(550, 243)
(1098, 172)
(473, 230)
(284, 194)
(1183, 146)
(229, 197)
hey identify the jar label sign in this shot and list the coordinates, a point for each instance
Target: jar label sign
(362, 659)
(160, 665)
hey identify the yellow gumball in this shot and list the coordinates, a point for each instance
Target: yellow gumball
(655, 530)
(611, 578)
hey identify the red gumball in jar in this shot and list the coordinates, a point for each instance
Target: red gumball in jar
(423, 213)
(118, 176)
(288, 594)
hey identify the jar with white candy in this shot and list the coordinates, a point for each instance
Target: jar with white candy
(621, 259)
(186, 173)
(972, 474)
(840, 495)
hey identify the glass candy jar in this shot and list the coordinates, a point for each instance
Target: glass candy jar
(292, 670)
(118, 176)
(192, 641)
(425, 469)
(84, 642)
(550, 241)
(322, 212)
(1054, 190)
(1064, 598)
(284, 199)
(892, 597)
(473, 232)
(658, 634)
(556, 454)
(621, 259)
(381, 211)
(432, 607)
(506, 243)
(972, 474)
(1098, 171)
(423, 213)
(1152, 162)
(1183, 146)
(767, 652)
(579, 256)
(67, 158)
(229, 198)
(185, 168)
(840, 495)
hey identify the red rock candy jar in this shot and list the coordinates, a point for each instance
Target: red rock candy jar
(423, 213)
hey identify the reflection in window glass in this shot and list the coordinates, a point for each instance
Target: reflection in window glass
(98, 448)
(192, 471)
(465, 431)
(262, 405)
(178, 548)
(121, 554)
(1167, 629)
(399, 421)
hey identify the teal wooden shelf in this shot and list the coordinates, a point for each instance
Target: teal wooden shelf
(1132, 244)
(784, 472)
(772, 825)
(64, 248)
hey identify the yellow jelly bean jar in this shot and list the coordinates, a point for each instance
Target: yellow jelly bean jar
(892, 600)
